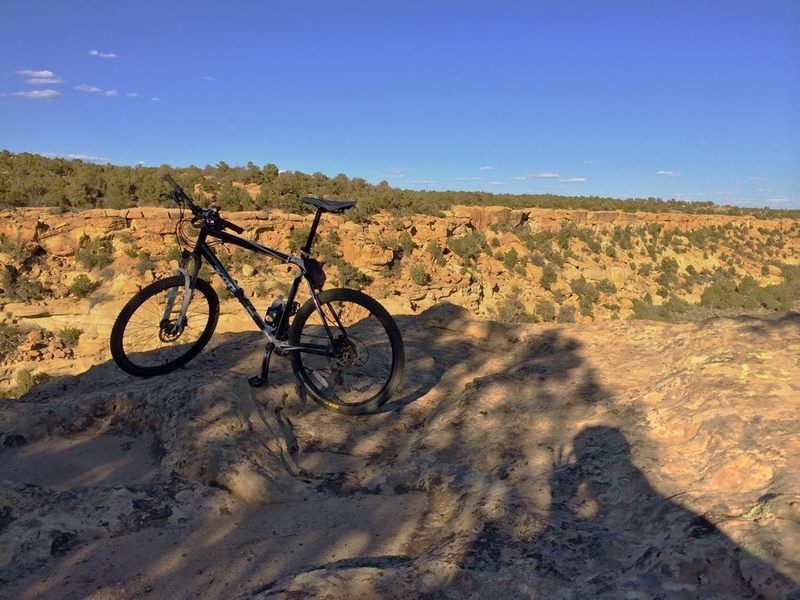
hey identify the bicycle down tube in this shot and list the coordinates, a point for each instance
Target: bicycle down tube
(279, 330)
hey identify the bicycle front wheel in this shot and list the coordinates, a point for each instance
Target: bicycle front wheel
(149, 336)
(355, 355)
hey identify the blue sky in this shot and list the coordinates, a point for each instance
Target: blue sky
(698, 100)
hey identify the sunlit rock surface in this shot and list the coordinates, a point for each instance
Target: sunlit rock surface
(615, 460)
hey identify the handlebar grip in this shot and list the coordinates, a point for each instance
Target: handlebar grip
(230, 225)
(168, 178)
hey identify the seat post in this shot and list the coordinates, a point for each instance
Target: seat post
(307, 248)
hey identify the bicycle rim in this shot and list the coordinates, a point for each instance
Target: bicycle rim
(362, 358)
(154, 339)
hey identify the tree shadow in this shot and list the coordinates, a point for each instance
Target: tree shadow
(609, 533)
(506, 470)
(764, 324)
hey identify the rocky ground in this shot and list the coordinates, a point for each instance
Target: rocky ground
(623, 459)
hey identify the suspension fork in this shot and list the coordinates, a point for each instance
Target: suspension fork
(188, 287)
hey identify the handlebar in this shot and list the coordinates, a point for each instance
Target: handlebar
(179, 195)
(209, 216)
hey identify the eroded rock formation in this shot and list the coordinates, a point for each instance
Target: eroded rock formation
(616, 459)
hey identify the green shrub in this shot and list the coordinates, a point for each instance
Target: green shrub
(566, 314)
(145, 263)
(351, 277)
(495, 242)
(510, 259)
(25, 382)
(512, 310)
(725, 293)
(436, 252)
(18, 287)
(70, 336)
(17, 248)
(419, 275)
(406, 243)
(549, 277)
(82, 286)
(94, 253)
(607, 287)
(10, 338)
(587, 294)
(174, 253)
(546, 310)
(468, 246)
(582, 288)
(670, 311)
(297, 238)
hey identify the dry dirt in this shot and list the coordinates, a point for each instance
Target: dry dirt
(613, 460)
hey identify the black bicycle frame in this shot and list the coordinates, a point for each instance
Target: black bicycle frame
(202, 250)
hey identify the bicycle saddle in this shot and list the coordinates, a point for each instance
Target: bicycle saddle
(332, 206)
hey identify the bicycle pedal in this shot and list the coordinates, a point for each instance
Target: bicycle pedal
(257, 381)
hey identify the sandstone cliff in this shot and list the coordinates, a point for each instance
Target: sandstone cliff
(511, 265)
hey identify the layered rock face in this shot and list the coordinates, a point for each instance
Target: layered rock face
(510, 265)
(621, 459)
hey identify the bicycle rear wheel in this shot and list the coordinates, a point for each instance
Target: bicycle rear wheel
(148, 339)
(365, 358)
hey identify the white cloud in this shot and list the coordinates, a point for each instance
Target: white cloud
(424, 181)
(91, 89)
(40, 77)
(155, 99)
(545, 176)
(208, 78)
(667, 174)
(40, 74)
(497, 183)
(486, 168)
(574, 180)
(83, 157)
(103, 54)
(519, 178)
(44, 80)
(38, 94)
(88, 158)
(468, 178)
(395, 173)
(133, 95)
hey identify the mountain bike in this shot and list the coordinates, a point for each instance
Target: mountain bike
(345, 349)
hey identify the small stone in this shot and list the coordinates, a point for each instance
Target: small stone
(34, 335)
(63, 542)
(14, 440)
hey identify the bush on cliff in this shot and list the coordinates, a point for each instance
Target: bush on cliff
(18, 287)
(10, 338)
(82, 286)
(94, 253)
